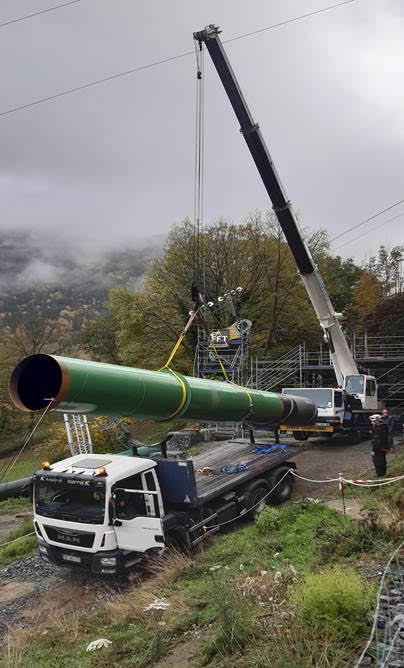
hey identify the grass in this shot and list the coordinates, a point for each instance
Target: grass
(261, 576)
(15, 505)
(27, 463)
(21, 548)
(335, 597)
(386, 501)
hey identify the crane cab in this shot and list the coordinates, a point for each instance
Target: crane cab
(364, 388)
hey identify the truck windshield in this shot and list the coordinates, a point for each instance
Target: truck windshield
(70, 503)
(322, 397)
(354, 384)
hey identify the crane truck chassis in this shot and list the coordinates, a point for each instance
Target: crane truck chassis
(337, 413)
(106, 513)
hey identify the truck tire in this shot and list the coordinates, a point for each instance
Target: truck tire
(254, 497)
(284, 490)
(354, 437)
(300, 435)
(176, 541)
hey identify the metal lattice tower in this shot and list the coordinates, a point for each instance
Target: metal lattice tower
(78, 434)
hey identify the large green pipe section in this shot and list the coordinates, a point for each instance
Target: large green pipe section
(79, 386)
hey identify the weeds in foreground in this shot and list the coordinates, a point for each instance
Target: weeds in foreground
(335, 597)
(19, 503)
(236, 597)
(164, 572)
(235, 621)
(21, 547)
(15, 652)
(297, 646)
(268, 520)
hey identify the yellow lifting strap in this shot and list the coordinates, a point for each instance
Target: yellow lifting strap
(183, 397)
(176, 375)
(181, 381)
(180, 340)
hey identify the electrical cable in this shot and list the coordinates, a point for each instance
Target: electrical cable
(372, 229)
(140, 68)
(41, 11)
(367, 220)
(287, 21)
(95, 83)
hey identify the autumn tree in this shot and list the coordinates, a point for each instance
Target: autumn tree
(367, 295)
(141, 327)
(386, 267)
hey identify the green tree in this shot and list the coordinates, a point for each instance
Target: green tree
(386, 266)
(142, 327)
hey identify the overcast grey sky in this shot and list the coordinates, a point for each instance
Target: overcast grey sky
(115, 162)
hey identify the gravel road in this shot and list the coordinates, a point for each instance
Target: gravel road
(31, 590)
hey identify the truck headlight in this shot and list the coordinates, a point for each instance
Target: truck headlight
(108, 561)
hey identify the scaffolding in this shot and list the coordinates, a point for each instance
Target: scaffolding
(382, 357)
(222, 344)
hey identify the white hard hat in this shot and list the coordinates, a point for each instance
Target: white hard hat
(375, 417)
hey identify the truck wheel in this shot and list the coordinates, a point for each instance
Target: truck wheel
(284, 490)
(354, 437)
(300, 435)
(255, 497)
(175, 542)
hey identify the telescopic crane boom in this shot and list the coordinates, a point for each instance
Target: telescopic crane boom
(341, 355)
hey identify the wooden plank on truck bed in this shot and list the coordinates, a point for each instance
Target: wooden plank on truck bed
(238, 451)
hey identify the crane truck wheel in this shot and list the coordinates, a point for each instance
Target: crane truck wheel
(354, 437)
(300, 435)
(176, 541)
(284, 490)
(255, 497)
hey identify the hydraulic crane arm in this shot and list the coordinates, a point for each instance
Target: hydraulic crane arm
(343, 361)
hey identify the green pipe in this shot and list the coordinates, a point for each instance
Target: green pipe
(94, 388)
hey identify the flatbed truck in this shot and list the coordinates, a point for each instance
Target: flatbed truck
(106, 513)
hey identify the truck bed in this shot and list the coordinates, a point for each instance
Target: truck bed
(239, 451)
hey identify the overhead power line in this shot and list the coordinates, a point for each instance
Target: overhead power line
(94, 83)
(372, 229)
(42, 11)
(367, 220)
(284, 23)
(155, 63)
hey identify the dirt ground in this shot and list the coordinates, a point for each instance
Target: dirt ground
(27, 586)
(327, 458)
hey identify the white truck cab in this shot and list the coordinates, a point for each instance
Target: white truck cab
(98, 509)
(363, 388)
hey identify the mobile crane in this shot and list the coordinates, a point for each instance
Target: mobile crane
(345, 409)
